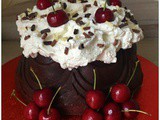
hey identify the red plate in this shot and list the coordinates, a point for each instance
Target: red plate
(147, 97)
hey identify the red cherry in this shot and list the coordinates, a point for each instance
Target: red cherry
(43, 97)
(90, 114)
(116, 3)
(43, 4)
(31, 111)
(57, 18)
(95, 99)
(112, 112)
(120, 93)
(130, 105)
(102, 16)
(53, 114)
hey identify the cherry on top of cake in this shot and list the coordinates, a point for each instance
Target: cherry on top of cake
(77, 32)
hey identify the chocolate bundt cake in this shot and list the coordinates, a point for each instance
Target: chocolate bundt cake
(64, 52)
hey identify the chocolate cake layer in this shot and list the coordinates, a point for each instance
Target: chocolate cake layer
(75, 83)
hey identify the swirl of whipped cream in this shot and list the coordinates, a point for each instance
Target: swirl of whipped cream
(81, 40)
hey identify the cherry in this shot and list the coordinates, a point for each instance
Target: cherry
(31, 111)
(57, 18)
(112, 112)
(43, 4)
(116, 3)
(95, 98)
(120, 93)
(53, 115)
(102, 15)
(90, 114)
(43, 97)
(50, 113)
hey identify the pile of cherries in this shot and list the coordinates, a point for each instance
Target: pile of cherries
(121, 107)
(60, 17)
(40, 107)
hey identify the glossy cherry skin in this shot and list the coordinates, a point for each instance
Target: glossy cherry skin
(102, 16)
(43, 97)
(116, 3)
(53, 115)
(95, 99)
(120, 93)
(43, 4)
(112, 112)
(57, 18)
(90, 114)
(31, 111)
(130, 105)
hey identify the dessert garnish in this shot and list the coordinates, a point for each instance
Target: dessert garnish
(75, 15)
(72, 1)
(44, 35)
(95, 98)
(104, 14)
(33, 28)
(64, 5)
(84, 1)
(87, 15)
(86, 35)
(76, 31)
(86, 7)
(57, 18)
(81, 46)
(95, 3)
(115, 3)
(69, 39)
(47, 42)
(45, 31)
(27, 37)
(66, 50)
(100, 45)
(86, 28)
(43, 4)
(123, 25)
(43, 16)
(90, 114)
(135, 30)
(90, 33)
(54, 43)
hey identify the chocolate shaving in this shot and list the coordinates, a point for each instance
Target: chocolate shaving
(123, 25)
(86, 28)
(115, 42)
(87, 15)
(26, 28)
(66, 51)
(72, 1)
(78, 19)
(86, 35)
(76, 31)
(93, 22)
(84, 1)
(32, 15)
(26, 12)
(69, 38)
(25, 18)
(128, 15)
(90, 33)
(81, 23)
(33, 27)
(134, 21)
(45, 31)
(136, 31)
(43, 16)
(47, 42)
(124, 19)
(44, 36)
(100, 45)
(75, 15)
(95, 3)
(81, 46)
(64, 5)
(27, 37)
(54, 43)
(86, 6)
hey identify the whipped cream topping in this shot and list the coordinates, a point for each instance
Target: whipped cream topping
(81, 40)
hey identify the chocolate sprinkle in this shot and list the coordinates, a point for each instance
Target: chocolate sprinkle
(86, 35)
(44, 36)
(81, 23)
(66, 51)
(47, 42)
(114, 10)
(115, 42)
(84, 1)
(75, 15)
(93, 22)
(90, 33)
(43, 16)
(54, 43)
(95, 3)
(69, 38)
(33, 27)
(64, 5)
(78, 19)
(27, 37)
(87, 15)
(32, 15)
(72, 1)
(86, 6)
(100, 45)
(124, 19)
(136, 31)
(86, 28)
(76, 31)
(26, 12)
(45, 31)
(123, 25)
(25, 18)
(81, 46)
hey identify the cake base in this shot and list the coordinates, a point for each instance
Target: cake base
(75, 83)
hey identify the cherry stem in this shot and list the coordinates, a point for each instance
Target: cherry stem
(14, 95)
(105, 5)
(53, 9)
(95, 79)
(109, 91)
(133, 73)
(138, 111)
(48, 110)
(40, 86)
